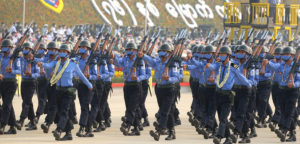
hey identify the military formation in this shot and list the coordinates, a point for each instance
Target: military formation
(233, 80)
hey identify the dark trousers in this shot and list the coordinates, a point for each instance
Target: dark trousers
(263, 95)
(223, 109)
(42, 85)
(8, 90)
(65, 99)
(166, 100)
(194, 84)
(249, 123)
(209, 104)
(27, 91)
(288, 99)
(52, 104)
(85, 97)
(95, 104)
(240, 106)
(131, 96)
(275, 98)
(104, 112)
(145, 88)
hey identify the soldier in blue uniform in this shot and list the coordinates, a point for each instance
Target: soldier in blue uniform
(64, 70)
(164, 90)
(227, 74)
(30, 72)
(42, 83)
(8, 88)
(289, 92)
(84, 95)
(132, 87)
(275, 90)
(51, 56)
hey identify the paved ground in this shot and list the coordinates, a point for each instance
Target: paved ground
(185, 133)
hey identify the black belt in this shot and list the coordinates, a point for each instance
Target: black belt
(28, 80)
(9, 80)
(240, 87)
(131, 83)
(210, 86)
(166, 86)
(286, 88)
(265, 82)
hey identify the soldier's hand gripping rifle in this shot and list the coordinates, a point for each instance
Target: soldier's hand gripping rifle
(150, 50)
(76, 47)
(255, 53)
(86, 70)
(274, 43)
(137, 60)
(18, 49)
(294, 69)
(254, 39)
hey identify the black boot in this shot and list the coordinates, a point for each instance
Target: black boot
(67, 137)
(45, 127)
(155, 124)
(2, 128)
(206, 133)
(125, 129)
(80, 132)
(171, 135)
(253, 133)
(217, 140)
(12, 130)
(75, 120)
(107, 123)
(245, 139)
(135, 132)
(31, 126)
(177, 122)
(89, 132)
(228, 141)
(95, 124)
(156, 134)
(37, 118)
(234, 137)
(272, 126)
(146, 122)
(292, 137)
(101, 127)
(282, 135)
(19, 124)
(57, 134)
(123, 119)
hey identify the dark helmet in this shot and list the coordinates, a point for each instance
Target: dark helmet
(200, 49)
(131, 45)
(6, 43)
(245, 49)
(93, 44)
(194, 48)
(288, 50)
(65, 47)
(42, 46)
(165, 47)
(209, 49)
(278, 50)
(27, 45)
(85, 43)
(52, 45)
(225, 49)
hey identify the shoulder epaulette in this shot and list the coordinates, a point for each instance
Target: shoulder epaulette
(234, 65)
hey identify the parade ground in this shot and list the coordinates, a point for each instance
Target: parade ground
(185, 134)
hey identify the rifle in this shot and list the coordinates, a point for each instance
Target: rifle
(86, 70)
(68, 38)
(135, 63)
(149, 52)
(7, 34)
(274, 44)
(18, 49)
(75, 50)
(254, 39)
(226, 37)
(215, 39)
(241, 38)
(208, 37)
(249, 35)
(292, 39)
(37, 45)
(220, 42)
(294, 68)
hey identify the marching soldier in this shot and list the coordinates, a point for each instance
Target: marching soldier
(132, 87)
(30, 72)
(63, 74)
(165, 90)
(8, 88)
(226, 75)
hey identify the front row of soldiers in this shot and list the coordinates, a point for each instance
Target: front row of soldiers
(236, 83)
(232, 83)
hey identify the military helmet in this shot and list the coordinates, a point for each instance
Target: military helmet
(65, 47)
(288, 50)
(200, 49)
(93, 44)
(245, 49)
(225, 49)
(6, 43)
(165, 47)
(52, 45)
(42, 46)
(27, 45)
(209, 49)
(278, 50)
(194, 48)
(85, 43)
(131, 45)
